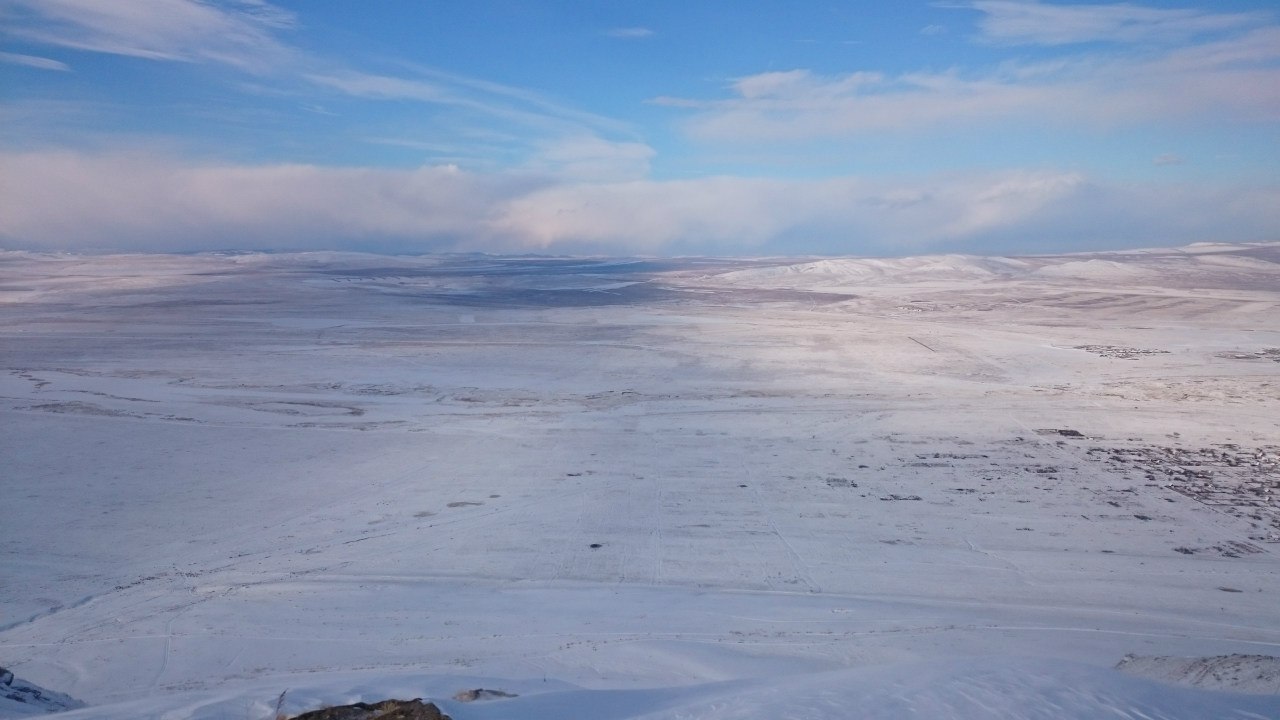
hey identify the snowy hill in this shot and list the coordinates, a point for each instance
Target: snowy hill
(1212, 264)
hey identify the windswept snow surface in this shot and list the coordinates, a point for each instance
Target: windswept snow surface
(947, 487)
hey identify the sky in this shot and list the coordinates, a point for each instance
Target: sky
(655, 128)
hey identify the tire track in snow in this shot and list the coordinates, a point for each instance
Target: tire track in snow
(797, 562)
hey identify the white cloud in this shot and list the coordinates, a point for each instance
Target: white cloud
(1235, 79)
(239, 34)
(801, 105)
(65, 200)
(1031, 22)
(32, 61)
(592, 158)
(633, 33)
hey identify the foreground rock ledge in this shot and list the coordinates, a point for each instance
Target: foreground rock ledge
(385, 710)
(1256, 674)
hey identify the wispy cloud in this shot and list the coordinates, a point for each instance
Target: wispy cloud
(249, 36)
(385, 87)
(433, 86)
(633, 33)
(239, 34)
(246, 35)
(520, 124)
(33, 61)
(1168, 159)
(1032, 22)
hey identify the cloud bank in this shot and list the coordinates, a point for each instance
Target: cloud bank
(61, 200)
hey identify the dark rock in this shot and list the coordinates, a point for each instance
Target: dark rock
(385, 710)
(41, 700)
(481, 694)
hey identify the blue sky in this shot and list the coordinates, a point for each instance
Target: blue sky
(638, 127)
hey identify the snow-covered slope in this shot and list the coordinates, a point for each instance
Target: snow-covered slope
(967, 488)
(972, 689)
(851, 271)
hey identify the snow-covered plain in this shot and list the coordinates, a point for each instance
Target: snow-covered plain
(930, 487)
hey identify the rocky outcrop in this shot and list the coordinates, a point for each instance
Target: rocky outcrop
(23, 698)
